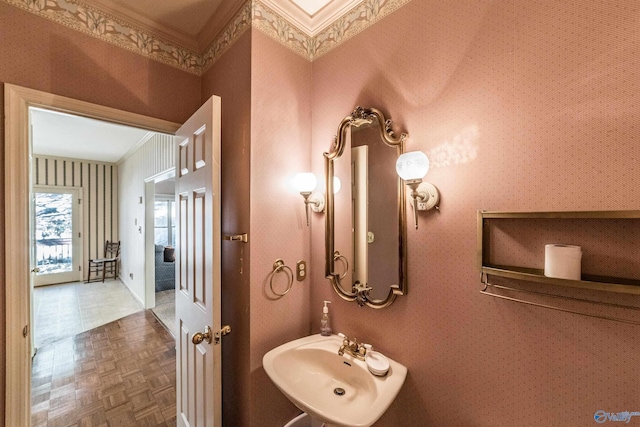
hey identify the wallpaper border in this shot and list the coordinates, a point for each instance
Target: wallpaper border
(88, 20)
(96, 23)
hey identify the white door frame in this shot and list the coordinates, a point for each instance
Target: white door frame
(17, 101)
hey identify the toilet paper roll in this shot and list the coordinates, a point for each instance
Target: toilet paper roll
(563, 261)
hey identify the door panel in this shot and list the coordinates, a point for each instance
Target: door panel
(198, 262)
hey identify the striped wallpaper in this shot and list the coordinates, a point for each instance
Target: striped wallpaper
(99, 183)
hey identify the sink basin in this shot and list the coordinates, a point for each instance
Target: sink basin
(312, 376)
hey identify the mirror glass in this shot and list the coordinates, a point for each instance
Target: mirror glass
(366, 229)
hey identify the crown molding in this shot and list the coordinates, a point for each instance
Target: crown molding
(142, 22)
(148, 39)
(311, 24)
(229, 34)
(97, 23)
(225, 14)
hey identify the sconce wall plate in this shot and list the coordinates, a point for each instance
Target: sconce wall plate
(316, 201)
(428, 197)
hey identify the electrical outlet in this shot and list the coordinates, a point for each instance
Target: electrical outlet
(301, 270)
(131, 276)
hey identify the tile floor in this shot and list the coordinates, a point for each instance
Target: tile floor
(118, 374)
(62, 311)
(165, 309)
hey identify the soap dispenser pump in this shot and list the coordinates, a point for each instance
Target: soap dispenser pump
(325, 325)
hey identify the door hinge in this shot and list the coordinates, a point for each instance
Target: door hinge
(25, 331)
(79, 234)
(79, 268)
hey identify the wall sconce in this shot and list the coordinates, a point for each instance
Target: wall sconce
(305, 183)
(412, 167)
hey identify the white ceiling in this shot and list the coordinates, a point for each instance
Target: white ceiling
(311, 16)
(64, 135)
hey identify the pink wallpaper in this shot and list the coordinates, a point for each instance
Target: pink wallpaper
(523, 105)
(280, 135)
(39, 54)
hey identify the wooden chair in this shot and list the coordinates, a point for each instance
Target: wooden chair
(100, 267)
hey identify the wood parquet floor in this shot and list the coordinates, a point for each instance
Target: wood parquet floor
(120, 374)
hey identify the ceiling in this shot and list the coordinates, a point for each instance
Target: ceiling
(190, 23)
(64, 135)
(194, 23)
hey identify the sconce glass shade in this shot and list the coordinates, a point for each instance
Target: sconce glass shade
(337, 185)
(305, 182)
(413, 165)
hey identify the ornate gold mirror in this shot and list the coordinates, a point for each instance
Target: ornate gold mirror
(365, 233)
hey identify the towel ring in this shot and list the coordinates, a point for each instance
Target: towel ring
(343, 259)
(279, 266)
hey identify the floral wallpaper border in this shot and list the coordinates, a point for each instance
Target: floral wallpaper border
(96, 23)
(88, 20)
(361, 17)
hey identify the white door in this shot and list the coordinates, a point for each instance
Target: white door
(198, 375)
(56, 241)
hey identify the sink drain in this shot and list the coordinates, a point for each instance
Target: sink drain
(339, 391)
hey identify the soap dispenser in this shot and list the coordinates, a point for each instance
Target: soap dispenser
(325, 325)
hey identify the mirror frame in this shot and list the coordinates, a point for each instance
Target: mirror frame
(359, 117)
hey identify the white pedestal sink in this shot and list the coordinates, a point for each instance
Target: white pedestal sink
(338, 390)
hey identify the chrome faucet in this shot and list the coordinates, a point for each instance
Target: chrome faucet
(352, 347)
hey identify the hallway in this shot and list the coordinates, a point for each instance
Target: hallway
(65, 310)
(119, 374)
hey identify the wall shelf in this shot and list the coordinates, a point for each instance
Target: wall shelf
(589, 281)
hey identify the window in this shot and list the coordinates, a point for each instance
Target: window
(164, 221)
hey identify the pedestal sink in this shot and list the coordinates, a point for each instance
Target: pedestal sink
(337, 390)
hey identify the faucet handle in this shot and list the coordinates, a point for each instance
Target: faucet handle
(364, 348)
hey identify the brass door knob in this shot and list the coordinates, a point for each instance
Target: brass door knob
(198, 337)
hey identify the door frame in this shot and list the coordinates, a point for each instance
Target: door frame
(17, 176)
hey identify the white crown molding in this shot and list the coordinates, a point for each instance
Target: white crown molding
(144, 23)
(152, 41)
(311, 24)
(120, 32)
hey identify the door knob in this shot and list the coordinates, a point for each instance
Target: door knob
(198, 337)
(35, 270)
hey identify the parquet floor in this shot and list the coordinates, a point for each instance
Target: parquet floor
(119, 374)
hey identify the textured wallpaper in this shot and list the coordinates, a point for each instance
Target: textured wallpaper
(525, 106)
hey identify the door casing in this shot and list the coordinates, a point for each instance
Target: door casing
(17, 173)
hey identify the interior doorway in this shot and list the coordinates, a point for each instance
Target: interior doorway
(165, 242)
(17, 235)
